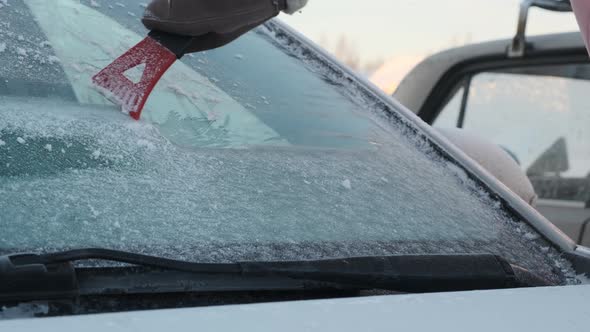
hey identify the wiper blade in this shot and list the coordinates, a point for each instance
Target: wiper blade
(26, 277)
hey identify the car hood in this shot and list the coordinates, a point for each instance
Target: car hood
(533, 309)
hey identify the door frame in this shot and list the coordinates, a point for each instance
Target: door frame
(454, 78)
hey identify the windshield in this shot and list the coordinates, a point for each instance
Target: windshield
(255, 151)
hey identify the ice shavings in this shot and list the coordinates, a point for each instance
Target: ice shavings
(111, 96)
(24, 310)
(21, 51)
(347, 184)
(96, 154)
(79, 154)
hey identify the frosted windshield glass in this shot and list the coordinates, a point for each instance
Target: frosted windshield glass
(264, 152)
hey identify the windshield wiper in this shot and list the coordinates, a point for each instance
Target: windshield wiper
(27, 277)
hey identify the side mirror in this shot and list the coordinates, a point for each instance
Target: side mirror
(518, 46)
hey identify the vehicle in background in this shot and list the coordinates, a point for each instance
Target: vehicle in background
(528, 95)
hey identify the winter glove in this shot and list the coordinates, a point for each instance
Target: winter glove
(213, 23)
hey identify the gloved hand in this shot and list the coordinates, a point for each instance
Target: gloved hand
(214, 23)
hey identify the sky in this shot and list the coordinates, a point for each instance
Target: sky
(400, 33)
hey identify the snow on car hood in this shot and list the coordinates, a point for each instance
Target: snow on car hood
(534, 309)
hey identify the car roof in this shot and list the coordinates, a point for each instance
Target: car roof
(417, 85)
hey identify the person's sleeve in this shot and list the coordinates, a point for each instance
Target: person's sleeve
(213, 23)
(201, 17)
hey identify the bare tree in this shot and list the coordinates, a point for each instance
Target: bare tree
(346, 51)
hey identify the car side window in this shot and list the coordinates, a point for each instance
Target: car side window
(541, 116)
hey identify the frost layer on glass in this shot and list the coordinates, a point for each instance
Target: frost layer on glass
(73, 178)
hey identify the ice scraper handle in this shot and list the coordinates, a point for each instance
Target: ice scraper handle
(177, 44)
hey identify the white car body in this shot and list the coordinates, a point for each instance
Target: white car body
(533, 309)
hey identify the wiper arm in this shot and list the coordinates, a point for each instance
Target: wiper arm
(26, 277)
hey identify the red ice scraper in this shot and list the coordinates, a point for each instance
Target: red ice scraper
(156, 53)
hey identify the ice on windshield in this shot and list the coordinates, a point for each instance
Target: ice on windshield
(353, 179)
(128, 187)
